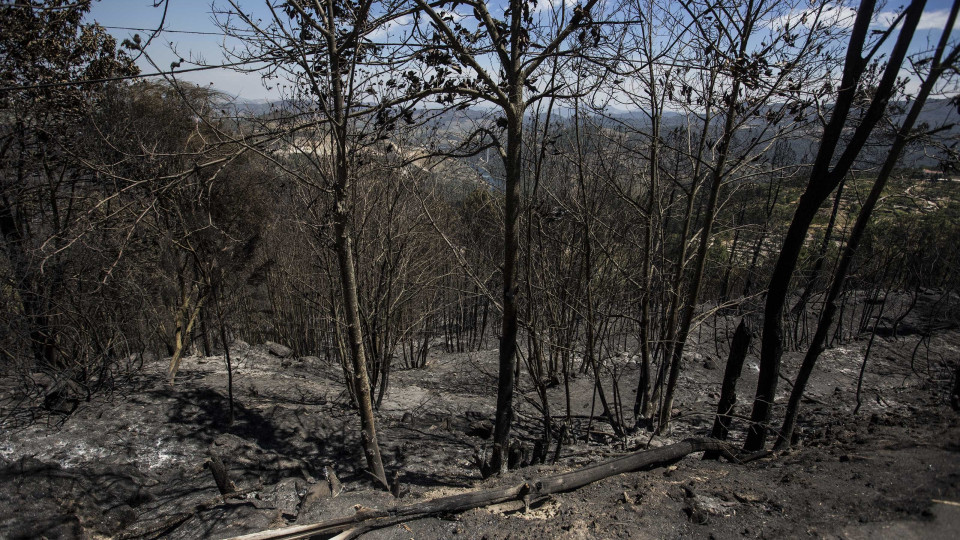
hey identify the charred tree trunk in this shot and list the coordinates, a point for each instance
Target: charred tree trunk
(856, 234)
(361, 381)
(728, 392)
(823, 181)
(508, 334)
(693, 292)
(219, 472)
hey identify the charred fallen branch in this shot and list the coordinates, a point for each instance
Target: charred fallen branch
(219, 472)
(366, 519)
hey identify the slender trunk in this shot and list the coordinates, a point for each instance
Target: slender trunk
(866, 354)
(724, 295)
(693, 294)
(728, 392)
(674, 313)
(770, 206)
(642, 408)
(205, 333)
(693, 291)
(226, 355)
(361, 381)
(799, 308)
(186, 317)
(821, 254)
(589, 353)
(508, 334)
(343, 240)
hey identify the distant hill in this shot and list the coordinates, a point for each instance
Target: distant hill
(451, 126)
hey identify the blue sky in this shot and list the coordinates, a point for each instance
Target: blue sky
(196, 16)
(182, 15)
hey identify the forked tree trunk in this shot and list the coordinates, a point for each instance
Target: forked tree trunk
(823, 181)
(642, 407)
(856, 235)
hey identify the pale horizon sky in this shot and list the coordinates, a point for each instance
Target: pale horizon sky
(184, 17)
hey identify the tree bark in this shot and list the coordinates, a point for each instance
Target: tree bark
(219, 472)
(343, 240)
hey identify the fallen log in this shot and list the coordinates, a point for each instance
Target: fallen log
(366, 519)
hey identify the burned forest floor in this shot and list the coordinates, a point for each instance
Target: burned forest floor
(132, 463)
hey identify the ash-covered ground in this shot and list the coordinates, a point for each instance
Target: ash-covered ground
(132, 463)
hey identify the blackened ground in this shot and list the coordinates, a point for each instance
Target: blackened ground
(131, 464)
